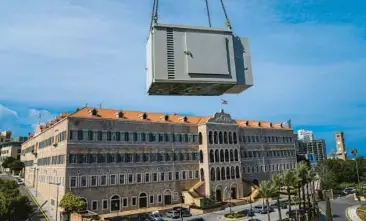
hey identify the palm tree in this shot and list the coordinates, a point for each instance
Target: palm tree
(277, 181)
(354, 153)
(310, 179)
(302, 172)
(267, 190)
(289, 180)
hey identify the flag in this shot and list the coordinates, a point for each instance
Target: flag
(223, 101)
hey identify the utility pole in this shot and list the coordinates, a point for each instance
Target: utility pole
(57, 184)
(37, 170)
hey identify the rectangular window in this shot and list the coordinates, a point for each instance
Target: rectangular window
(73, 182)
(138, 178)
(176, 175)
(124, 202)
(130, 178)
(190, 174)
(105, 204)
(133, 201)
(83, 181)
(121, 179)
(154, 177)
(197, 174)
(162, 176)
(170, 177)
(184, 175)
(147, 178)
(159, 198)
(94, 205)
(151, 201)
(113, 179)
(103, 180)
(93, 181)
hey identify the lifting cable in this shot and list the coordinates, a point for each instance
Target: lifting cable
(154, 14)
(208, 14)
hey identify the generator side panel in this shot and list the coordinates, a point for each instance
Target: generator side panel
(149, 63)
(243, 66)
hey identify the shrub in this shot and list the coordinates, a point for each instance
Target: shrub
(361, 212)
(234, 215)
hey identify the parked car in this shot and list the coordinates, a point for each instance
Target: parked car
(196, 219)
(247, 212)
(185, 211)
(295, 212)
(275, 205)
(348, 190)
(156, 216)
(262, 209)
(19, 182)
(173, 214)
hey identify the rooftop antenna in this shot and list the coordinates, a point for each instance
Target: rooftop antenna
(100, 106)
(86, 104)
(39, 118)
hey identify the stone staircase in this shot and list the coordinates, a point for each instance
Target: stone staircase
(195, 194)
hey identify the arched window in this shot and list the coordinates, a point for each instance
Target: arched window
(232, 173)
(222, 173)
(236, 154)
(237, 172)
(210, 138)
(202, 174)
(218, 177)
(201, 156)
(231, 156)
(235, 138)
(221, 138)
(215, 138)
(212, 156)
(226, 156)
(222, 156)
(212, 174)
(115, 203)
(225, 137)
(217, 158)
(227, 173)
(200, 138)
(230, 138)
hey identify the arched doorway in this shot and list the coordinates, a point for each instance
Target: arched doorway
(142, 200)
(218, 195)
(167, 197)
(233, 192)
(256, 182)
(115, 203)
(202, 174)
(86, 203)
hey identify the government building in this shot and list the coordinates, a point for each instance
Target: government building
(119, 160)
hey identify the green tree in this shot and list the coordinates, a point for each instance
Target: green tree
(72, 203)
(289, 180)
(16, 166)
(267, 190)
(7, 161)
(13, 206)
(302, 172)
(277, 182)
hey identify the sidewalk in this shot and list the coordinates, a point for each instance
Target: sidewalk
(46, 209)
(352, 214)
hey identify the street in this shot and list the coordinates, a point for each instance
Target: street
(339, 206)
(38, 216)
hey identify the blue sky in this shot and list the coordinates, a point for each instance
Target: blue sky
(308, 61)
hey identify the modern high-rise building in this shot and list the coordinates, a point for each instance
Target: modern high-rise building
(341, 146)
(305, 135)
(316, 148)
(122, 160)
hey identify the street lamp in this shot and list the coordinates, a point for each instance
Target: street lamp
(57, 184)
(354, 153)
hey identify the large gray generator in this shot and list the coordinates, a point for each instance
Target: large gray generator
(186, 60)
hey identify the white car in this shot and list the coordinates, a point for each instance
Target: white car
(19, 182)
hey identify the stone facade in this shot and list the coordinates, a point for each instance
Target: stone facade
(124, 161)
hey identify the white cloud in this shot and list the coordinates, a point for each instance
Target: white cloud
(7, 112)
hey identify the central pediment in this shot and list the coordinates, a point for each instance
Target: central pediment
(222, 118)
